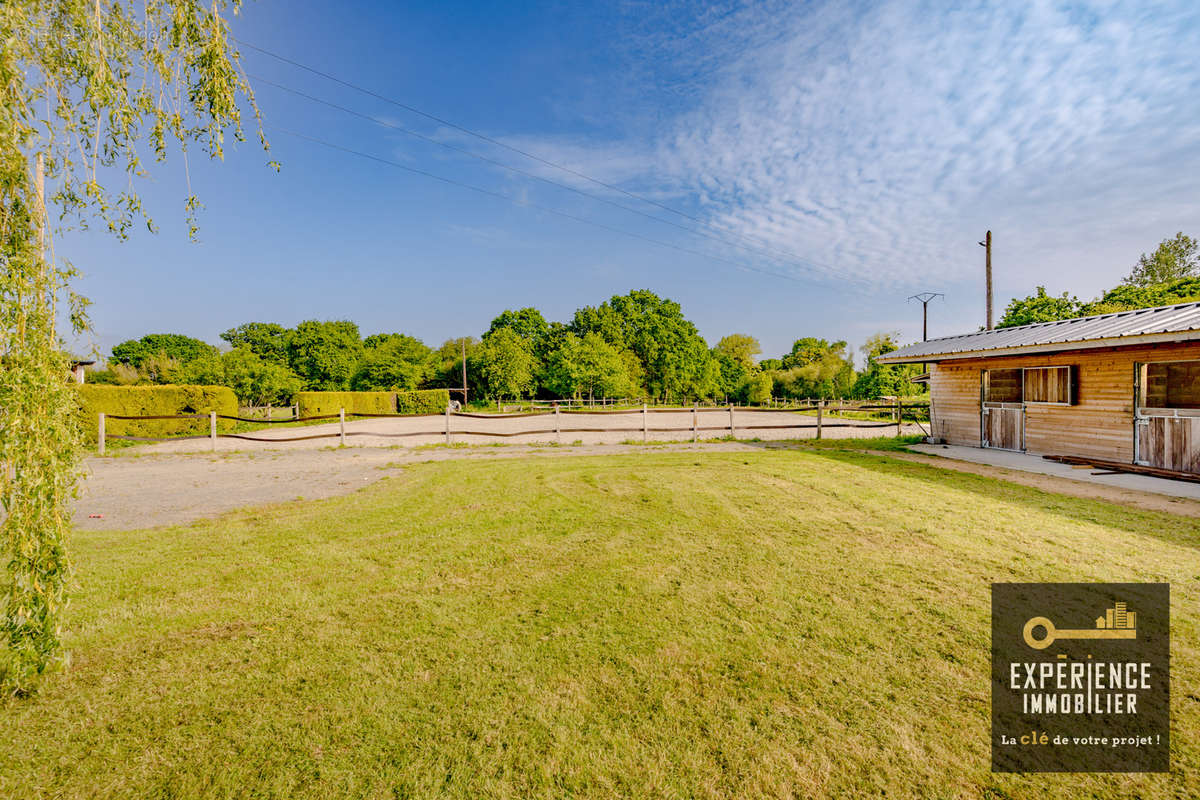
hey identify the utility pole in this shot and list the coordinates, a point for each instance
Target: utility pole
(987, 243)
(463, 342)
(924, 298)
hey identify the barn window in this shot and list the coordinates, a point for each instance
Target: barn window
(1002, 386)
(1174, 384)
(1050, 385)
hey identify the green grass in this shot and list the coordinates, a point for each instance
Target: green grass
(780, 623)
(886, 443)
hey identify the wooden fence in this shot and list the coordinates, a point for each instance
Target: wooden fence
(727, 425)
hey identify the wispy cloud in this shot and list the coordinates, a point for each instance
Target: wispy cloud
(872, 139)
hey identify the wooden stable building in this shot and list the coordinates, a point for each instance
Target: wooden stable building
(1121, 387)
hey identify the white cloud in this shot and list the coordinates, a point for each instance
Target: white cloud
(881, 143)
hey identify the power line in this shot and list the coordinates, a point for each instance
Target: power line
(534, 206)
(546, 162)
(517, 170)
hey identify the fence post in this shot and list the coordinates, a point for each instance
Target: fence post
(732, 435)
(100, 436)
(694, 405)
(557, 429)
(820, 407)
(342, 427)
(643, 422)
(899, 416)
(447, 423)
(212, 429)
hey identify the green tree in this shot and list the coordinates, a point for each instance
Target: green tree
(757, 389)
(558, 375)
(734, 357)
(446, 370)
(258, 381)
(587, 366)
(393, 361)
(1127, 297)
(506, 365)
(1174, 259)
(809, 350)
(740, 347)
(1040, 307)
(634, 373)
(675, 359)
(159, 369)
(174, 346)
(267, 340)
(325, 354)
(206, 370)
(84, 88)
(527, 323)
(884, 380)
(815, 368)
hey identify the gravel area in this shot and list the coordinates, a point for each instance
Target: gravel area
(140, 490)
(177, 482)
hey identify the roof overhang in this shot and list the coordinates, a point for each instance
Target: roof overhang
(1052, 347)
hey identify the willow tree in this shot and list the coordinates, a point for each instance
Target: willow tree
(90, 92)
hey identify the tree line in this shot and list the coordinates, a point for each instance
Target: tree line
(632, 345)
(1169, 275)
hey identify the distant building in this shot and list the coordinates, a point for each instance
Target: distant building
(79, 369)
(1116, 387)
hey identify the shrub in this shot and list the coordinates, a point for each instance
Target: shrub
(423, 401)
(155, 401)
(317, 403)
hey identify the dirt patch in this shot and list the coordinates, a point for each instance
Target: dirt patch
(147, 490)
(142, 491)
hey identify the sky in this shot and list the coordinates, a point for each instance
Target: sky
(779, 169)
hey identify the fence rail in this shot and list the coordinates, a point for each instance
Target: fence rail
(445, 429)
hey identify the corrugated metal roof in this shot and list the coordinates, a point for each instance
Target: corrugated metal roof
(1042, 336)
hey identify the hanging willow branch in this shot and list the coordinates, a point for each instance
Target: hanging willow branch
(85, 87)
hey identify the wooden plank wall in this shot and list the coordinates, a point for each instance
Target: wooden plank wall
(1003, 428)
(1050, 385)
(955, 393)
(1099, 426)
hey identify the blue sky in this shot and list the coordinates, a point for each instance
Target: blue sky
(858, 151)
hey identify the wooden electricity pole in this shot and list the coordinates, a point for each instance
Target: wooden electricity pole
(463, 342)
(987, 243)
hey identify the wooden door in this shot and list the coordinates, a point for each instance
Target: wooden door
(1004, 426)
(1169, 442)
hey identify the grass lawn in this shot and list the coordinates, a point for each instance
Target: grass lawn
(768, 624)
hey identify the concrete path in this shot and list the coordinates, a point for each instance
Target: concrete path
(1036, 464)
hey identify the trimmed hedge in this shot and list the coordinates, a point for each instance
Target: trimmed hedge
(423, 401)
(135, 401)
(316, 403)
